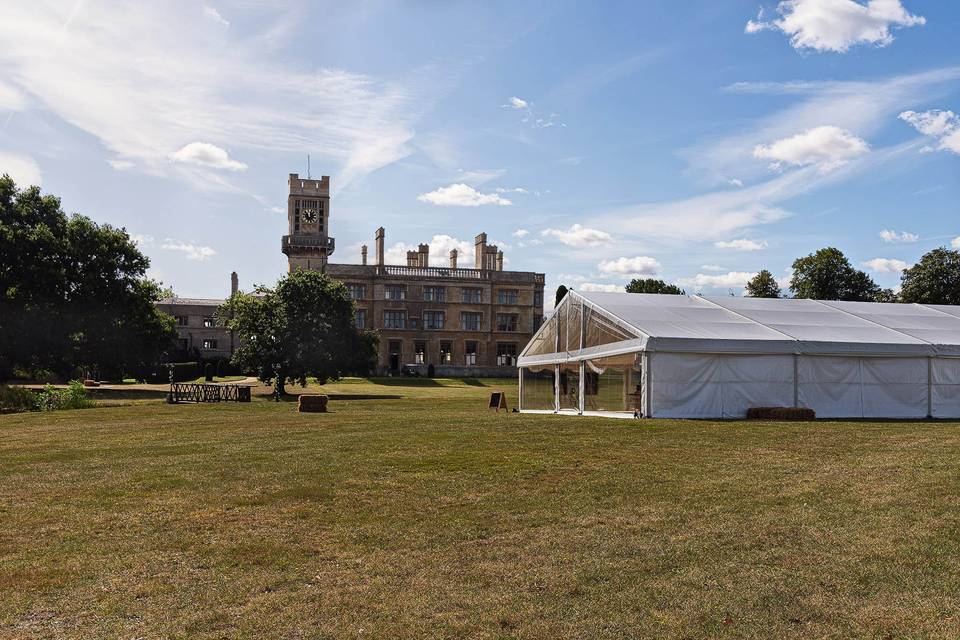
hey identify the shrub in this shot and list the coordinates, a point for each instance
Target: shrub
(73, 397)
(17, 399)
(780, 413)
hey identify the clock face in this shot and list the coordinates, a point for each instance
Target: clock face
(309, 215)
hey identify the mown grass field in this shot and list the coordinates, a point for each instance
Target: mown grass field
(411, 511)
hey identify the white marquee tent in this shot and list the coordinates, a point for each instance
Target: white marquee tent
(698, 357)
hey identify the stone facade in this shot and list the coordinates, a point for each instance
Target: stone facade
(197, 331)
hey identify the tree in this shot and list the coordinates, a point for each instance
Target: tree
(650, 285)
(561, 293)
(304, 327)
(73, 294)
(935, 279)
(763, 285)
(828, 275)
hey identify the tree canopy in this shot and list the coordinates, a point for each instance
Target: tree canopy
(73, 294)
(763, 285)
(561, 294)
(303, 327)
(828, 275)
(935, 279)
(651, 285)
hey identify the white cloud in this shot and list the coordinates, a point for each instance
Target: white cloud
(837, 25)
(517, 103)
(213, 14)
(23, 169)
(628, 267)
(579, 236)
(192, 251)
(955, 243)
(462, 195)
(735, 182)
(440, 247)
(521, 233)
(209, 155)
(141, 239)
(740, 244)
(729, 280)
(121, 165)
(886, 265)
(163, 80)
(477, 177)
(711, 267)
(828, 147)
(942, 125)
(892, 236)
(11, 97)
(511, 190)
(605, 287)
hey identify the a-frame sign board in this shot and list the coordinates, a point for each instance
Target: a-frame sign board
(498, 400)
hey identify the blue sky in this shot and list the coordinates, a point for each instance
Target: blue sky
(594, 142)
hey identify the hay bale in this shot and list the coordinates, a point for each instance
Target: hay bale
(780, 413)
(91, 383)
(312, 404)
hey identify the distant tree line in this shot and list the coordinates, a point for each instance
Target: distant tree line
(828, 275)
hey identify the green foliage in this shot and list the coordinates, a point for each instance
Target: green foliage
(935, 279)
(73, 294)
(17, 399)
(763, 285)
(886, 295)
(302, 328)
(828, 275)
(74, 396)
(561, 294)
(651, 285)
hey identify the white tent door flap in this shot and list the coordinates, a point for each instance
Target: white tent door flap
(946, 387)
(848, 387)
(687, 385)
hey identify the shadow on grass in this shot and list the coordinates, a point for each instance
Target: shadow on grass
(406, 382)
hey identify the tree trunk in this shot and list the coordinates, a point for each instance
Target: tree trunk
(280, 387)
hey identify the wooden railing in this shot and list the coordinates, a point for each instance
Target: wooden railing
(193, 392)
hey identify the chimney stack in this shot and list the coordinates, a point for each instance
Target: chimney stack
(424, 255)
(480, 248)
(453, 258)
(234, 284)
(379, 248)
(499, 260)
(363, 255)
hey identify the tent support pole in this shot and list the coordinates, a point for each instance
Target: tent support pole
(556, 388)
(796, 380)
(583, 385)
(519, 388)
(929, 386)
(647, 386)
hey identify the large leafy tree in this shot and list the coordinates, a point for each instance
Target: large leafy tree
(763, 285)
(935, 279)
(303, 327)
(828, 275)
(73, 294)
(651, 285)
(561, 294)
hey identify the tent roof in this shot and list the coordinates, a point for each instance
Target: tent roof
(764, 325)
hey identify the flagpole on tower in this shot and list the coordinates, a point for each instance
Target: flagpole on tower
(308, 166)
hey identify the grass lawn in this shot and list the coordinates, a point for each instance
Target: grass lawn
(412, 511)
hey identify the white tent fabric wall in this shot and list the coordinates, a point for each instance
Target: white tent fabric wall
(717, 357)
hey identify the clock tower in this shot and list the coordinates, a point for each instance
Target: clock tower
(307, 244)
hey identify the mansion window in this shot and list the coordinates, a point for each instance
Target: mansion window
(182, 321)
(208, 322)
(434, 294)
(470, 321)
(394, 319)
(506, 354)
(508, 296)
(433, 319)
(506, 322)
(395, 292)
(357, 291)
(471, 295)
(538, 299)
(360, 318)
(209, 343)
(420, 352)
(446, 353)
(470, 353)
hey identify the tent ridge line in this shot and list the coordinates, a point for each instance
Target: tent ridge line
(748, 319)
(609, 314)
(873, 322)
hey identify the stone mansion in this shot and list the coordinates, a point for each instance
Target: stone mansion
(470, 318)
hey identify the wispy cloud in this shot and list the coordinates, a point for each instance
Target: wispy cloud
(164, 80)
(23, 169)
(943, 126)
(192, 251)
(740, 244)
(532, 115)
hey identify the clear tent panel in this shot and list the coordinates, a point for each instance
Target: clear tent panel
(570, 386)
(538, 389)
(545, 340)
(601, 330)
